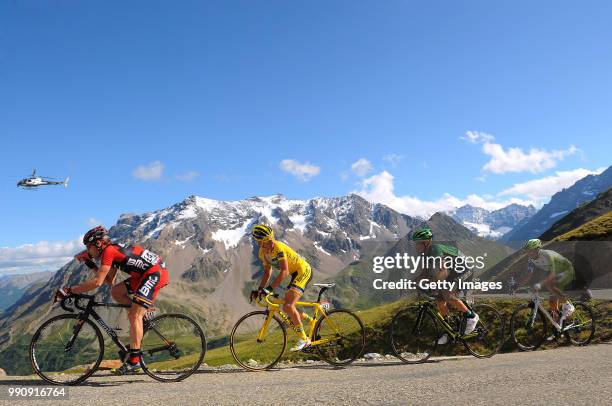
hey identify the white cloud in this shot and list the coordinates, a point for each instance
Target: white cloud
(189, 176)
(41, 256)
(477, 137)
(302, 171)
(150, 172)
(380, 189)
(92, 221)
(393, 158)
(541, 189)
(361, 167)
(514, 159)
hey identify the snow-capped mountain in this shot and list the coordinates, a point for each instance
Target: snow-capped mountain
(492, 224)
(331, 225)
(211, 259)
(561, 203)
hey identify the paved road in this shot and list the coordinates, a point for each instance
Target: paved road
(567, 375)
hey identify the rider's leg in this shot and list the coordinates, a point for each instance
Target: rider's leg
(442, 307)
(135, 315)
(291, 297)
(119, 293)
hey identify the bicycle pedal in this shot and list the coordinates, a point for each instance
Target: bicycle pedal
(308, 350)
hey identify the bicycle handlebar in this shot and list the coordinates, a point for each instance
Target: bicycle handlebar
(64, 303)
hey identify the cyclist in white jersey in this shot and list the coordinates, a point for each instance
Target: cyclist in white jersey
(559, 274)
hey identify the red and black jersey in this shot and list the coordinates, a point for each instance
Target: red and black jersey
(131, 259)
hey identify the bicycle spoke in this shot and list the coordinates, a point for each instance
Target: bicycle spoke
(414, 335)
(50, 359)
(528, 329)
(173, 347)
(339, 337)
(258, 341)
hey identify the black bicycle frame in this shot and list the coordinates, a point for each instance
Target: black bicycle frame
(85, 314)
(88, 311)
(428, 307)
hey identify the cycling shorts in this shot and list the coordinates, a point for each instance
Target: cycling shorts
(145, 287)
(301, 278)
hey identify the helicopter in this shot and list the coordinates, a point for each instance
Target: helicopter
(34, 181)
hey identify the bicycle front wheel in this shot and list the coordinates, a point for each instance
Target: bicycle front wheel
(173, 347)
(342, 337)
(258, 341)
(414, 335)
(581, 325)
(488, 337)
(528, 330)
(66, 350)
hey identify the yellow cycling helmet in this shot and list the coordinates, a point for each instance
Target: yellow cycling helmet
(262, 232)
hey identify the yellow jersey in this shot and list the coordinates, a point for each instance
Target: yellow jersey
(279, 251)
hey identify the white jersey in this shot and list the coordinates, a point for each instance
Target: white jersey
(550, 261)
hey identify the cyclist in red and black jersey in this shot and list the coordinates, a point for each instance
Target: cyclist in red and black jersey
(148, 275)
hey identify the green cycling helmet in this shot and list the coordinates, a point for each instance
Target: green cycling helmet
(422, 234)
(533, 244)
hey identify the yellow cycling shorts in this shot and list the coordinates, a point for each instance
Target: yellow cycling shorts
(300, 279)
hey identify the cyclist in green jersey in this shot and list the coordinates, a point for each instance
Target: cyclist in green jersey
(425, 246)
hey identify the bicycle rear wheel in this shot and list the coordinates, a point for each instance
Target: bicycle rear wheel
(343, 334)
(414, 335)
(66, 350)
(488, 337)
(173, 347)
(258, 341)
(582, 325)
(528, 330)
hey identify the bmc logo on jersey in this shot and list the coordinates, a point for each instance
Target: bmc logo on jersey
(148, 285)
(138, 263)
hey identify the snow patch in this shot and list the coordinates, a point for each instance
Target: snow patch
(183, 242)
(299, 221)
(317, 246)
(557, 214)
(231, 238)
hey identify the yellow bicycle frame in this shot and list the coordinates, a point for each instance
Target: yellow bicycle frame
(273, 305)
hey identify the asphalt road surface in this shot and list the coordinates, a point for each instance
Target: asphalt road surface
(563, 376)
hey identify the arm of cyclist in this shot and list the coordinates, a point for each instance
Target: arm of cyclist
(284, 272)
(93, 283)
(262, 283)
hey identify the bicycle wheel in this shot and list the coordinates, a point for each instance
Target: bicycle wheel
(258, 341)
(528, 330)
(414, 335)
(581, 325)
(488, 337)
(66, 350)
(343, 334)
(173, 347)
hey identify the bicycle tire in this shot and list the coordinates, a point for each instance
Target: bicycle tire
(174, 350)
(518, 324)
(491, 325)
(236, 342)
(582, 311)
(329, 352)
(37, 336)
(405, 344)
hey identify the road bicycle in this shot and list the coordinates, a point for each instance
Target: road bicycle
(529, 324)
(259, 338)
(68, 348)
(415, 331)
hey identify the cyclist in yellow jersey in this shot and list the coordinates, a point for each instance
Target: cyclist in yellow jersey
(278, 255)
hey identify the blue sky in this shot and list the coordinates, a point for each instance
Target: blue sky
(210, 98)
